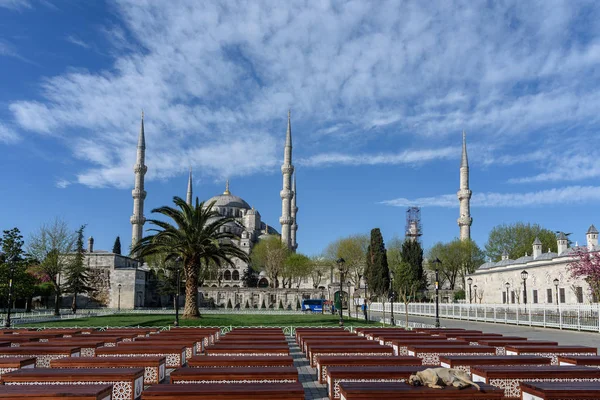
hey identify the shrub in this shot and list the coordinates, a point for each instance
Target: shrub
(460, 295)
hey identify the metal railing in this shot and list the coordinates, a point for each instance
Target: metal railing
(581, 317)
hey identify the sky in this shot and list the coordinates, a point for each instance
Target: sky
(379, 92)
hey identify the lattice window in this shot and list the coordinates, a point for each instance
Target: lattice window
(562, 294)
(535, 296)
(549, 296)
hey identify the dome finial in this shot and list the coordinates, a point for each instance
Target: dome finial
(227, 187)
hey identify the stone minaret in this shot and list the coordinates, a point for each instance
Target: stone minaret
(138, 193)
(188, 197)
(287, 169)
(464, 195)
(294, 212)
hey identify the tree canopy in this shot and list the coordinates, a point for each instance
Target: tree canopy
(353, 249)
(377, 271)
(517, 240)
(117, 246)
(459, 258)
(269, 255)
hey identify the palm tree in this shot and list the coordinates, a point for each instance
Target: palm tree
(196, 237)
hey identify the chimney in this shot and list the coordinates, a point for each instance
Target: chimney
(592, 238)
(562, 243)
(91, 245)
(537, 248)
(504, 255)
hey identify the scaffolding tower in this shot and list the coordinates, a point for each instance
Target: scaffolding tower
(414, 229)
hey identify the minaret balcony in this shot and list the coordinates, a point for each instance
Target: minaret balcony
(286, 194)
(137, 219)
(464, 221)
(287, 169)
(464, 194)
(138, 194)
(140, 168)
(286, 220)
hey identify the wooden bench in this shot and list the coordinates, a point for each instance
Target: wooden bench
(366, 349)
(232, 391)
(235, 374)
(509, 377)
(386, 373)
(400, 346)
(500, 344)
(53, 392)
(323, 362)
(386, 339)
(17, 340)
(305, 338)
(128, 383)
(430, 354)
(456, 335)
(310, 342)
(465, 363)
(590, 361)
(9, 364)
(233, 350)
(240, 361)
(192, 346)
(154, 367)
(213, 333)
(175, 354)
(383, 390)
(560, 391)
(43, 355)
(318, 331)
(40, 336)
(122, 337)
(140, 332)
(550, 351)
(88, 347)
(206, 338)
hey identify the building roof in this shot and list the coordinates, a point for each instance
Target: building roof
(523, 260)
(229, 200)
(537, 241)
(562, 236)
(592, 229)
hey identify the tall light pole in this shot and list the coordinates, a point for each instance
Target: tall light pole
(392, 297)
(438, 263)
(524, 276)
(179, 261)
(340, 263)
(119, 298)
(507, 285)
(475, 289)
(556, 282)
(469, 282)
(12, 265)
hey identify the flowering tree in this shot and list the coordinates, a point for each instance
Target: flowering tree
(586, 265)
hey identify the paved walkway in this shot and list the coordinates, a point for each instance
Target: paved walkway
(563, 337)
(313, 390)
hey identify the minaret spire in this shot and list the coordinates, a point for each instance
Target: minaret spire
(138, 193)
(294, 212)
(227, 187)
(464, 194)
(287, 169)
(188, 197)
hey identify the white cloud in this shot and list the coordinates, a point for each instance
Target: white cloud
(15, 4)
(77, 41)
(564, 195)
(8, 135)
(62, 183)
(210, 75)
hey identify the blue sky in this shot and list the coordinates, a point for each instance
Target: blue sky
(379, 91)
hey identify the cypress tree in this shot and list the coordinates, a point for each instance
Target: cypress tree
(377, 270)
(77, 275)
(412, 255)
(117, 246)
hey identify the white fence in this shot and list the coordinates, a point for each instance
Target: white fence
(583, 317)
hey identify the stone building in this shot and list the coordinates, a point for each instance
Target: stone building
(548, 280)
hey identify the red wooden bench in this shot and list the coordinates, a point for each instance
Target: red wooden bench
(305, 338)
(207, 338)
(240, 361)
(88, 347)
(258, 350)
(43, 355)
(53, 392)
(9, 364)
(590, 361)
(400, 346)
(550, 351)
(560, 391)
(386, 339)
(430, 354)
(509, 377)
(175, 354)
(319, 331)
(235, 374)
(192, 346)
(17, 340)
(323, 362)
(366, 349)
(232, 391)
(128, 383)
(466, 362)
(369, 374)
(310, 342)
(154, 367)
(383, 390)
(122, 337)
(500, 344)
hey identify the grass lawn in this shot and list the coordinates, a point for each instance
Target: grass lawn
(206, 320)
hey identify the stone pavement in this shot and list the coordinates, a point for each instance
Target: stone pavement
(313, 390)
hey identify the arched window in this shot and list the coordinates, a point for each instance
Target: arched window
(227, 275)
(235, 276)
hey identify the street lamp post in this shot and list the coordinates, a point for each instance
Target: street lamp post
(392, 298)
(524, 276)
(12, 264)
(556, 282)
(437, 296)
(507, 285)
(119, 298)
(475, 289)
(469, 282)
(340, 263)
(179, 261)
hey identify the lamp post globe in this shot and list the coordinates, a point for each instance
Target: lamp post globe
(475, 289)
(469, 282)
(556, 282)
(524, 276)
(340, 263)
(507, 286)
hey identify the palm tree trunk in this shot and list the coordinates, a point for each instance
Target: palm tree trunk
(190, 310)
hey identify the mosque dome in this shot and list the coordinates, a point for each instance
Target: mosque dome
(228, 200)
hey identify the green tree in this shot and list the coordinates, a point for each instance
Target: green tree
(459, 258)
(269, 255)
(412, 254)
(117, 246)
(196, 236)
(77, 278)
(377, 271)
(353, 249)
(250, 277)
(319, 267)
(517, 239)
(297, 267)
(49, 245)
(12, 247)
